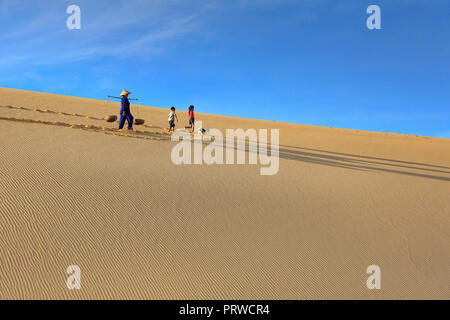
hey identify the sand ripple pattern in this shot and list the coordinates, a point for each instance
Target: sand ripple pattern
(140, 227)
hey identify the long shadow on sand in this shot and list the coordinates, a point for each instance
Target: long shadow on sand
(371, 158)
(360, 162)
(357, 162)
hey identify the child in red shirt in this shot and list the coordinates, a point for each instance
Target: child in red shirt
(191, 119)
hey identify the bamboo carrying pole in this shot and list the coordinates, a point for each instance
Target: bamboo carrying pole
(137, 122)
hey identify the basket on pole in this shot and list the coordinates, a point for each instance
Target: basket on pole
(137, 121)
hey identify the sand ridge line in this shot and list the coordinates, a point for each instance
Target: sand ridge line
(53, 112)
(76, 115)
(164, 133)
(69, 114)
(91, 128)
(99, 129)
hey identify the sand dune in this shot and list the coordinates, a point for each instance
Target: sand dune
(75, 191)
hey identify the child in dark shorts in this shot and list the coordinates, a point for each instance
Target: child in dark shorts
(172, 117)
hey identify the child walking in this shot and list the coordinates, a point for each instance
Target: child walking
(172, 117)
(191, 119)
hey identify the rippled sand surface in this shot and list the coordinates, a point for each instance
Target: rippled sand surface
(75, 191)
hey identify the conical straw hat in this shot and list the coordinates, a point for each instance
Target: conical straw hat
(125, 93)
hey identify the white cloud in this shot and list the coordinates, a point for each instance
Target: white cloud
(36, 33)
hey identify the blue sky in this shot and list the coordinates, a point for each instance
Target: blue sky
(303, 61)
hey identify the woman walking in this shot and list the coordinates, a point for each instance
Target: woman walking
(125, 113)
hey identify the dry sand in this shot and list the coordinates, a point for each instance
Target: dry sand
(73, 191)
